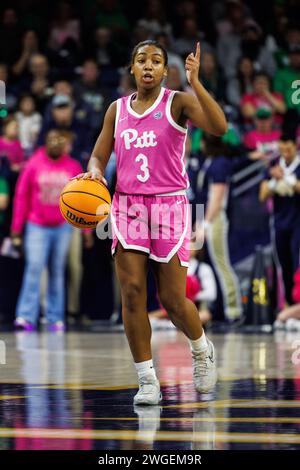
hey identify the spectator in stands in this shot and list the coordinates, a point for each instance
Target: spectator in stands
(106, 50)
(262, 97)
(288, 39)
(10, 34)
(82, 110)
(253, 44)
(40, 81)
(155, 20)
(63, 87)
(173, 80)
(10, 92)
(262, 142)
(298, 136)
(211, 76)
(140, 33)
(47, 235)
(173, 58)
(231, 47)
(104, 45)
(284, 78)
(213, 188)
(189, 36)
(229, 16)
(64, 46)
(30, 46)
(183, 9)
(64, 119)
(109, 14)
(65, 27)
(242, 83)
(282, 183)
(4, 201)
(88, 89)
(126, 86)
(29, 121)
(10, 145)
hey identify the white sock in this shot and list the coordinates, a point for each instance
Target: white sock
(145, 368)
(199, 345)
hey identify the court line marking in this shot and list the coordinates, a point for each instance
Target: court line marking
(236, 403)
(260, 419)
(162, 383)
(231, 403)
(94, 386)
(148, 435)
(11, 397)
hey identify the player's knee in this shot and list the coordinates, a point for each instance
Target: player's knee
(131, 294)
(174, 305)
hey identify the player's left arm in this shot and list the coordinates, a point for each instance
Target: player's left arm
(201, 109)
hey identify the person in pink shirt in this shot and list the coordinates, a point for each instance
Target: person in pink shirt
(10, 145)
(262, 97)
(47, 236)
(262, 142)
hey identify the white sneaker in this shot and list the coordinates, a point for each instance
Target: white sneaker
(205, 369)
(149, 391)
(292, 324)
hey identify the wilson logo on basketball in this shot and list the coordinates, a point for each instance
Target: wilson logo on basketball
(147, 139)
(79, 220)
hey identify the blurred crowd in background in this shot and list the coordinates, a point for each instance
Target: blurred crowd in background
(64, 62)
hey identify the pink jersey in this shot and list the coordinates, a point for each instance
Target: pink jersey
(150, 148)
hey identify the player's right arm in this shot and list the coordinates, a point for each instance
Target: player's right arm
(103, 147)
(268, 187)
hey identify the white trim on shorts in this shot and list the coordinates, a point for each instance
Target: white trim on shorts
(175, 248)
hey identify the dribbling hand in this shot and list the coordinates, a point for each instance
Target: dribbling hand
(92, 175)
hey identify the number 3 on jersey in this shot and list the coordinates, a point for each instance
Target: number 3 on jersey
(144, 168)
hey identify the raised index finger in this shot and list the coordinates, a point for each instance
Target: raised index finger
(197, 55)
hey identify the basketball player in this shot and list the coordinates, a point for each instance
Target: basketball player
(148, 131)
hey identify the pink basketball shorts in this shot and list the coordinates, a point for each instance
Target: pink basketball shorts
(157, 225)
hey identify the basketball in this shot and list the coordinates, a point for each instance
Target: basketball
(85, 203)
